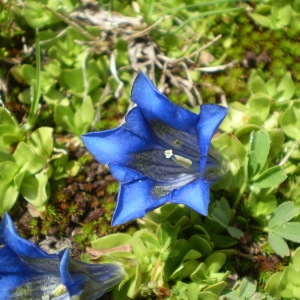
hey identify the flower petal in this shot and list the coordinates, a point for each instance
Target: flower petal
(155, 165)
(116, 145)
(39, 287)
(11, 263)
(135, 200)
(211, 116)
(124, 174)
(21, 280)
(155, 106)
(183, 143)
(87, 280)
(136, 123)
(195, 195)
(22, 247)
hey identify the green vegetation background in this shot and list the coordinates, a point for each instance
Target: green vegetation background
(66, 68)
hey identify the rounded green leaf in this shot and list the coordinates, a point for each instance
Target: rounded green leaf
(259, 151)
(8, 170)
(259, 105)
(247, 287)
(290, 120)
(286, 88)
(289, 231)
(27, 160)
(8, 196)
(270, 178)
(279, 245)
(207, 296)
(283, 213)
(111, 241)
(35, 189)
(215, 262)
(200, 244)
(41, 141)
(273, 284)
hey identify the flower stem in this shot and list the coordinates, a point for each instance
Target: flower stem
(240, 194)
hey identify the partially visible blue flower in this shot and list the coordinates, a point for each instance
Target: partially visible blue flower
(160, 154)
(27, 272)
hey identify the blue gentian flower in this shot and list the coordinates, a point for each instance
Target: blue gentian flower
(160, 154)
(27, 272)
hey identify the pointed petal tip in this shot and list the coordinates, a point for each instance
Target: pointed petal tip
(194, 195)
(212, 110)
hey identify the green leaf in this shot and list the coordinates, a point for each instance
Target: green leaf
(166, 235)
(295, 260)
(270, 178)
(185, 270)
(36, 83)
(222, 240)
(281, 14)
(261, 20)
(215, 262)
(64, 115)
(235, 232)
(273, 284)
(232, 150)
(84, 116)
(290, 120)
(8, 170)
(286, 88)
(272, 87)
(72, 168)
(176, 256)
(35, 190)
(8, 196)
(144, 242)
(259, 148)
(207, 296)
(41, 141)
(236, 117)
(36, 16)
(25, 96)
(247, 287)
(77, 119)
(257, 85)
(261, 206)
(259, 105)
(191, 255)
(111, 241)
(277, 140)
(221, 212)
(216, 288)
(9, 129)
(27, 160)
(200, 244)
(199, 274)
(278, 244)
(29, 74)
(283, 213)
(289, 285)
(73, 80)
(289, 231)
(135, 284)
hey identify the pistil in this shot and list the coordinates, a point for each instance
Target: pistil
(179, 160)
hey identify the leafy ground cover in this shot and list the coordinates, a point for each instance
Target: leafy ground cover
(67, 68)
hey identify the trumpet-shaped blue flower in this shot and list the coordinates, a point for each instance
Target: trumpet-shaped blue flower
(160, 154)
(27, 272)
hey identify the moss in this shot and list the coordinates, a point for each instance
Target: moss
(113, 188)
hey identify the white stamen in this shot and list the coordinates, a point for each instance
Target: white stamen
(168, 153)
(179, 160)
